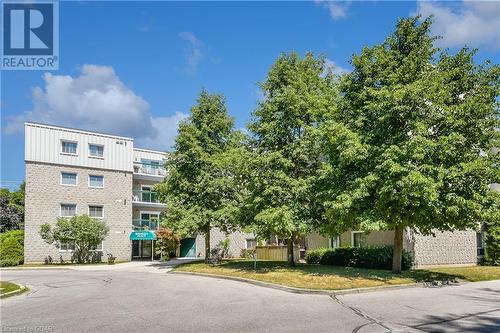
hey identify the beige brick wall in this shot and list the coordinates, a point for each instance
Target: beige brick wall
(44, 194)
(446, 248)
(236, 244)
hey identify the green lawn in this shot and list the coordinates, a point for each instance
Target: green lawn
(6, 287)
(333, 277)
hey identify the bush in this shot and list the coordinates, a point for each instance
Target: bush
(362, 257)
(12, 248)
(247, 253)
(314, 256)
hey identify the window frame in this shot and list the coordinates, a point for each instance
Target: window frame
(90, 175)
(96, 156)
(95, 217)
(67, 204)
(352, 236)
(70, 173)
(332, 240)
(68, 153)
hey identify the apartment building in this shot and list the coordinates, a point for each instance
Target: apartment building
(73, 172)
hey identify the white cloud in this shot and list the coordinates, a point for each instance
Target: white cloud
(194, 54)
(166, 131)
(471, 23)
(95, 100)
(337, 9)
(336, 69)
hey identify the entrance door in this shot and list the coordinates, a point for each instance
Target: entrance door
(188, 247)
(141, 249)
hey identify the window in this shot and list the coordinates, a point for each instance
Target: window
(334, 242)
(68, 147)
(96, 181)
(68, 210)
(97, 248)
(69, 179)
(251, 243)
(357, 238)
(66, 247)
(480, 243)
(96, 212)
(96, 150)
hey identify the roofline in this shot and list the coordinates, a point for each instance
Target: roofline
(151, 150)
(76, 130)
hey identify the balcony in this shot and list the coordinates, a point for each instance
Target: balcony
(146, 198)
(138, 224)
(149, 171)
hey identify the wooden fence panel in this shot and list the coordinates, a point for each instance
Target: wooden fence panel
(275, 252)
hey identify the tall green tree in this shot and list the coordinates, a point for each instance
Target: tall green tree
(197, 190)
(299, 94)
(12, 209)
(412, 145)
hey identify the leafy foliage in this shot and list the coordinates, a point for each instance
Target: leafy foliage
(85, 232)
(413, 144)
(11, 248)
(12, 209)
(299, 93)
(166, 242)
(198, 190)
(362, 257)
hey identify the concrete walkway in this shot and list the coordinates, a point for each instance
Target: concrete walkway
(137, 266)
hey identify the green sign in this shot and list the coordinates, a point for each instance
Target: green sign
(142, 235)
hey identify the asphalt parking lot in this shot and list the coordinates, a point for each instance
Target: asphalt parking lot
(134, 299)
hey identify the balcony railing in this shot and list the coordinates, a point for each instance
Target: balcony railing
(149, 169)
(138, 224)
(145, 196)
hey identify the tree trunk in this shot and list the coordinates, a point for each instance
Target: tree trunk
(291, 243)
(207, 244)
(398, 249)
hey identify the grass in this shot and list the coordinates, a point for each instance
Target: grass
(333, 277)
(6, 287)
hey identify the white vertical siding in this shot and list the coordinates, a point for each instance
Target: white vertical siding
(148, 155)
(43, 144)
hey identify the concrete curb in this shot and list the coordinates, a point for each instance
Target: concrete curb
(17, 268)
(21, 289)
(305, 291)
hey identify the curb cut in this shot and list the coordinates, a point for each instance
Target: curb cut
(22, 288)
(301, 290)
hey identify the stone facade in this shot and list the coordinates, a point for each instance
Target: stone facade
(446, 248)
(237, 242)
(45, 194)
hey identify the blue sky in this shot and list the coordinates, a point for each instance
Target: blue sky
(135, 69)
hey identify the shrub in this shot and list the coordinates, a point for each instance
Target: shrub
(314, 256)
(166, 242)
(247, 253)
(11, 248)
(84, 231)
(362, 257)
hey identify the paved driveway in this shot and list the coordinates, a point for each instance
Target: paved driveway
(134, 299)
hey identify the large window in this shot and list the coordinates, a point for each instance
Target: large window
(96, 181)
(96, 150)
(67, 247)
(68, 147)
(480, 243)
(96, 211)
(68, 210)
(68, 178)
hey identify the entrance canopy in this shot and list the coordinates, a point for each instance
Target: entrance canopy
(142, 235)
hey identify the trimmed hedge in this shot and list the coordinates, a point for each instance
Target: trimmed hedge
(11, 248)
(363, 257)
